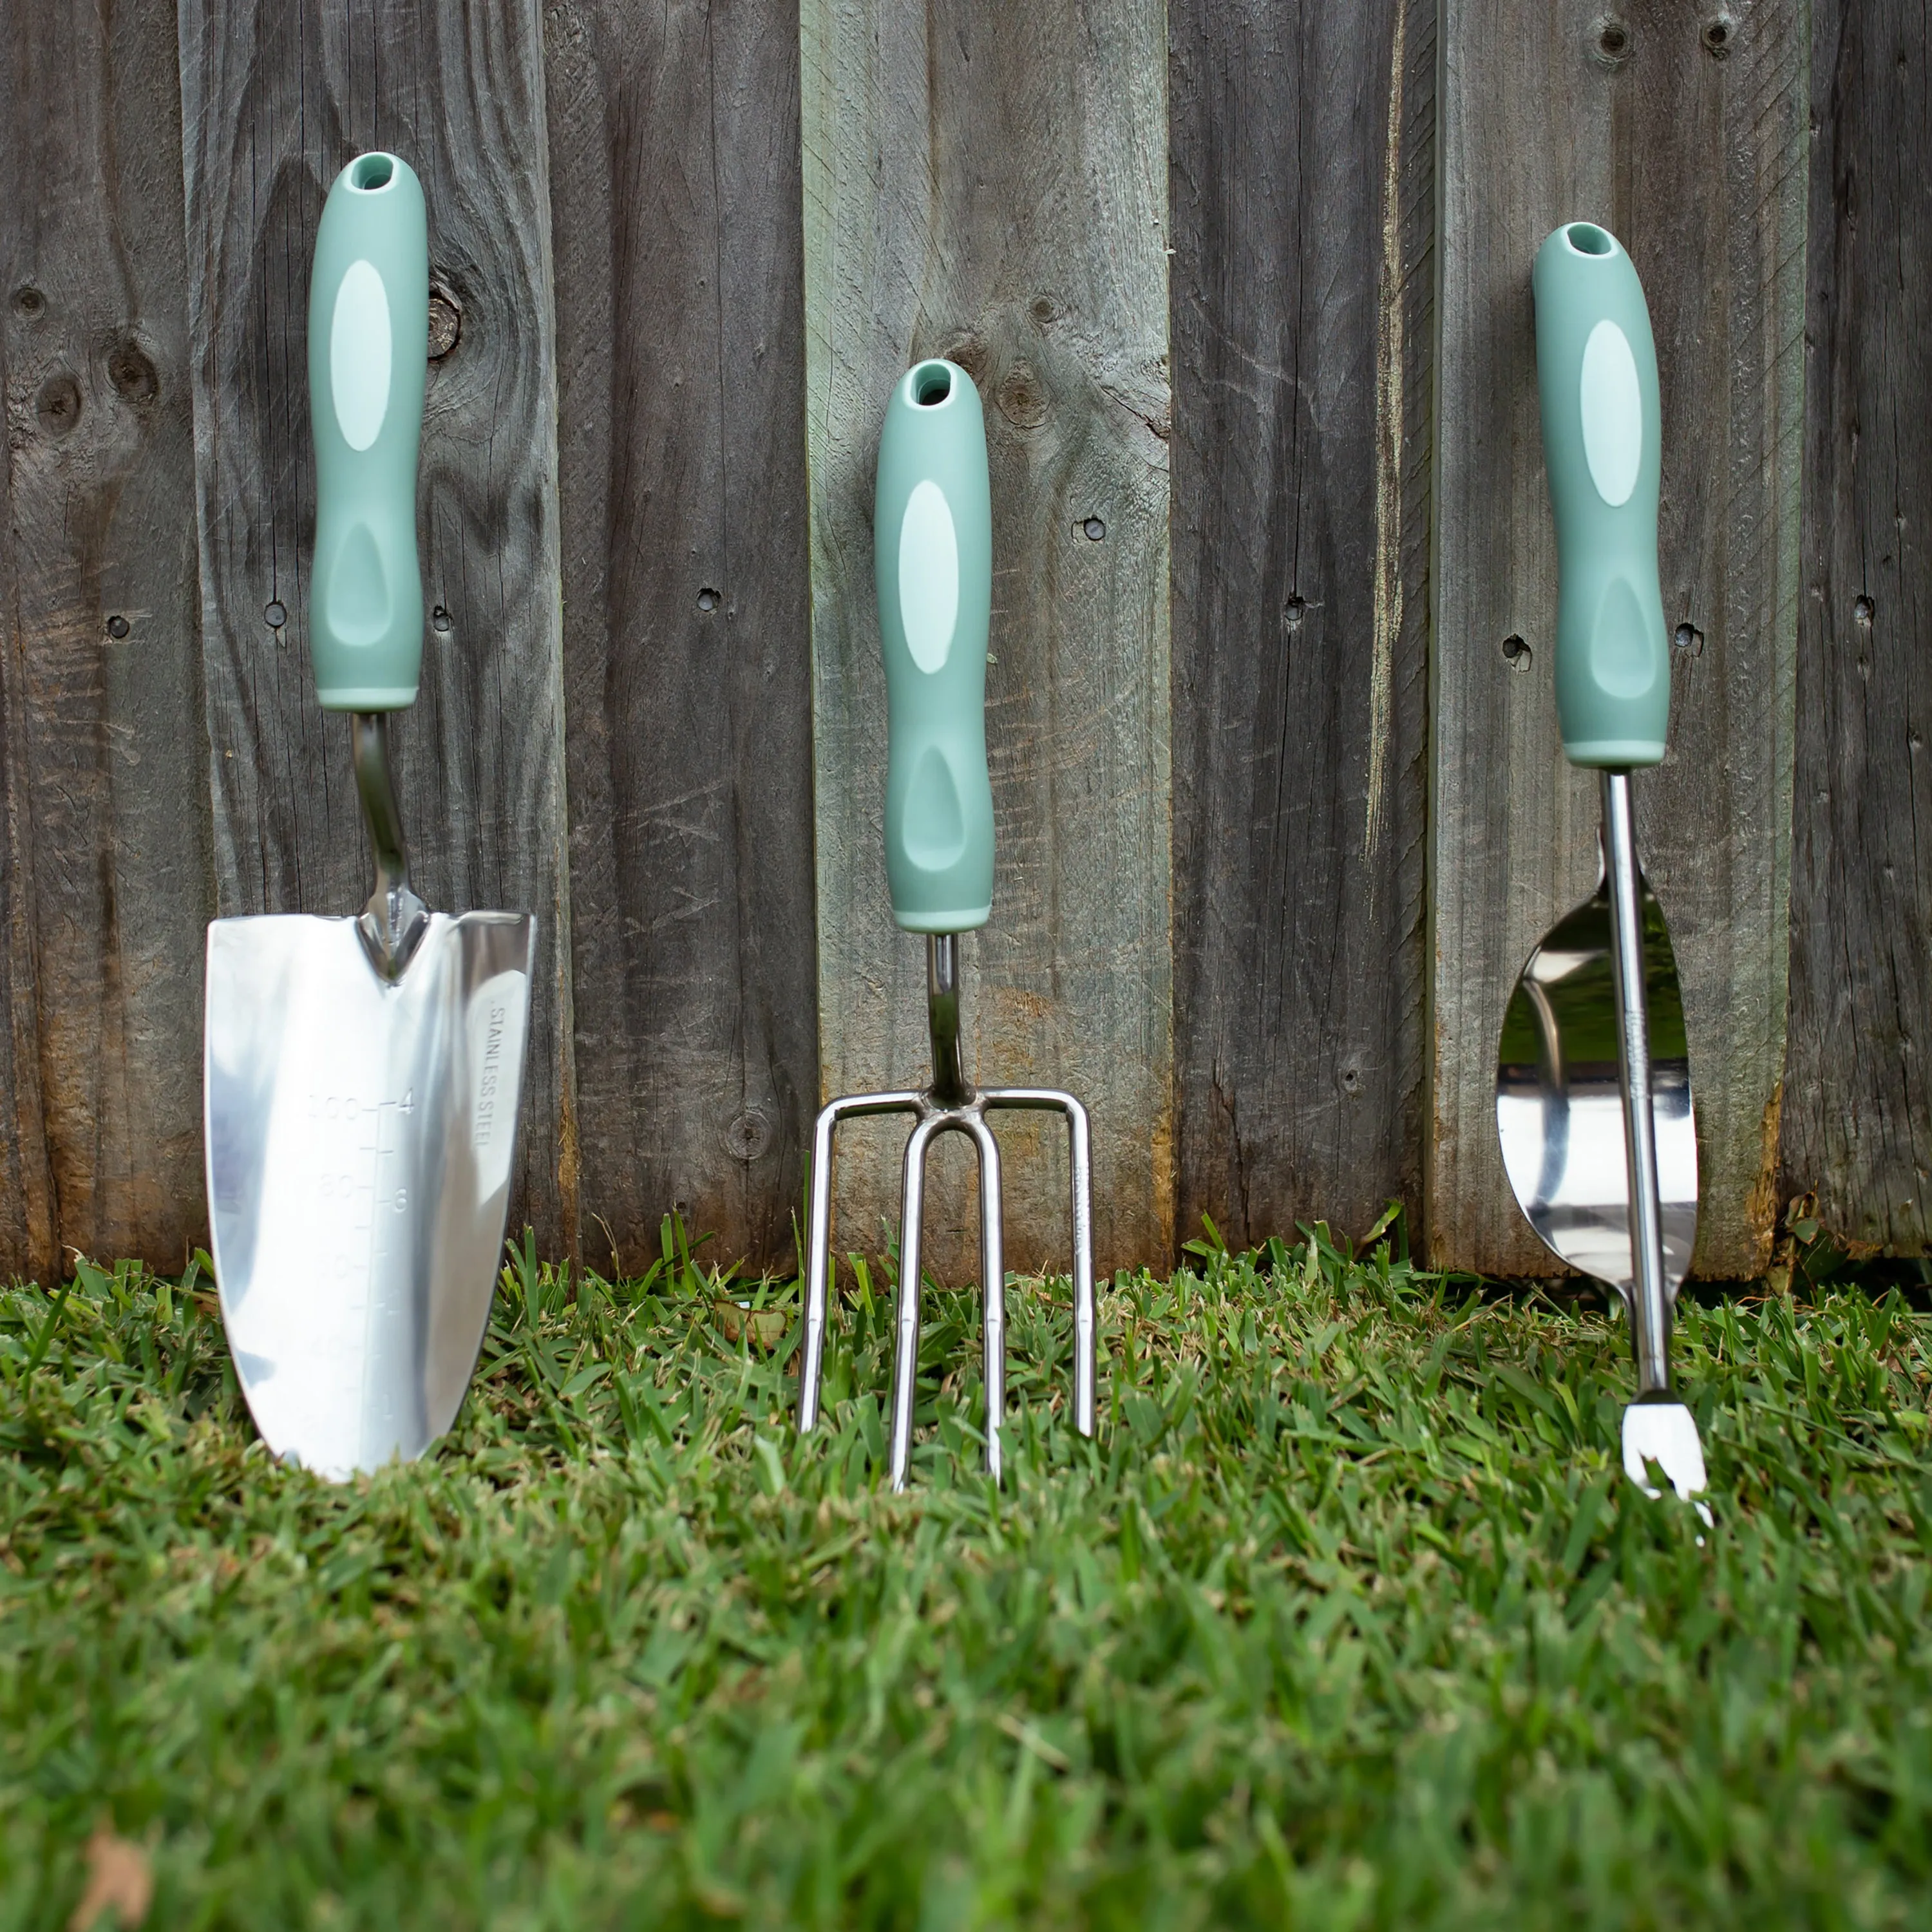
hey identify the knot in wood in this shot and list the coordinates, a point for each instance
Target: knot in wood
(58, 406)
(445, 321)
(748, 1136)
(1022, 399)
(132, 373)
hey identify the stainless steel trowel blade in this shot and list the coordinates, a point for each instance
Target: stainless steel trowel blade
(1559, 1106)
(360, 1137)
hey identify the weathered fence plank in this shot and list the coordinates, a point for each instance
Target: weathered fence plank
(988, 182)
(105, 878)
(674, 169)
(1304, 223)
(1858, 1110)
(275, 99)
(1684, 132)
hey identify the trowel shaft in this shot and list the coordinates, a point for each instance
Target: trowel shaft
(1650, 1304)
(395, 919)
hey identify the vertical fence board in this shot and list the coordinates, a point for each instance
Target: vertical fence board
(989, 183)
(675, 184)
(1857, 1118)
(275, 100)
(106, 871)
(1691, 148)
(1304, 218)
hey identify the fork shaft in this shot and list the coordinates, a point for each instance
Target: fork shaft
(949, 1085)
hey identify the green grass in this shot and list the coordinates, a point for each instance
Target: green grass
(1348, 1619)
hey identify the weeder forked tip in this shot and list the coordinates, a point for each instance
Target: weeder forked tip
(1666, 1433)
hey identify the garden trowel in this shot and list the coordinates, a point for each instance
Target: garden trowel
(1593, 1081)
(361, 1075)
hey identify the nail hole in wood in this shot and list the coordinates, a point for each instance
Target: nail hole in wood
(1292, 613)
(440, 618)
(277, 613)
(1517, 652)
(1862, 612)
(1614, 41)
(117, 626)
(1690, 640)
(1093, 529)
(707, 598)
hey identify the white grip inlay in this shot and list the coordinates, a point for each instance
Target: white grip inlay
(1612, 405)
(929, 575)
(358, 355)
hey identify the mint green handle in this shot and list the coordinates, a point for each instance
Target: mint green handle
(932, 529)
(368, 337)
(1596, 371)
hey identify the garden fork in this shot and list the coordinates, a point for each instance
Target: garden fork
(933, 528)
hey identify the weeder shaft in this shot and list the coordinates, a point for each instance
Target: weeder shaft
(1650, 1301)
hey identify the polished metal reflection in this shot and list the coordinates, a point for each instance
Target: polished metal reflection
(360, 1136)
(949, 1106)
(1560, 1100)
(361, 1079)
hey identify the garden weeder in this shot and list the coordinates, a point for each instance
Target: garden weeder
(1593, 1079)
(933, 530)
(361, 1075)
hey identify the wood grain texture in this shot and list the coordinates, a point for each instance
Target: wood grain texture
(276, 98)
(1693, 153)
(989, 183)
(1303, 223)
(105, 879)
(1857, 1116)
(675, 182)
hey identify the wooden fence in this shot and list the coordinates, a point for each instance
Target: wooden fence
(1280, 803)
